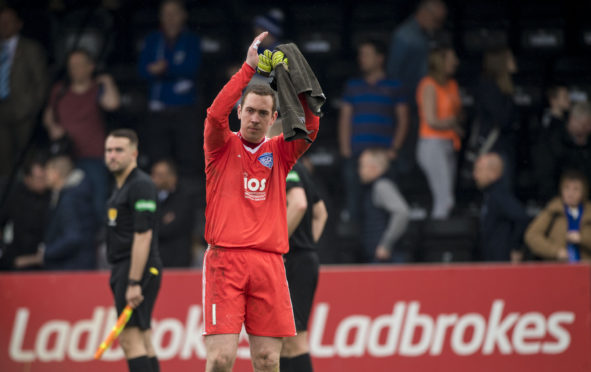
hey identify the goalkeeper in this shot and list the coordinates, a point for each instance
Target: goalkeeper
(246, 229)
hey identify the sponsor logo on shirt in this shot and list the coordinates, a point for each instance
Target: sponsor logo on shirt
(293, 176)
(266, 159)
(145, 205)
(112, 214)
(255, 189)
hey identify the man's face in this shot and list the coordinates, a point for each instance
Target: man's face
(437, 14)
(562, 99)
(163, 177)
(172, 18)
(10, 24)
(572, 192)
(579, 125)
(119, 154)
(36, 181)
(80, 68)
(256, 117)
(369, 59)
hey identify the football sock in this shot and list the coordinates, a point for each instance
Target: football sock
(139, 364)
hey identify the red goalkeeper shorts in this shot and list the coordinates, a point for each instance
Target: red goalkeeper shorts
(246, 286)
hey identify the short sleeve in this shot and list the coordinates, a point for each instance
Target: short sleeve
(348, 92)
(55, 91)
(399, 93)
(315, 196)
(143, 203)
(294, 179)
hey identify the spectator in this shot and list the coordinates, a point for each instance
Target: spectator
(169, 61)
(272, 22)
(23, 85)
(495, 110)
(438, 100)
(407, 63)
(503, 219)
(551, 131)
(74, 112)
(409, 48)
(559, 106)
(385, 212)
(573, 150)
(69, 242)
(176, 216)
(374, 113)
(26, 211)
(562, 231)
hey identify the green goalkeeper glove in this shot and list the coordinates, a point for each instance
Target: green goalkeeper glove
(278, 58)
(265, 65)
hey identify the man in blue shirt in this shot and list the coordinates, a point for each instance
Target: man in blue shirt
(374, 114)
(409, 47)
(169, 61)
(407, 63)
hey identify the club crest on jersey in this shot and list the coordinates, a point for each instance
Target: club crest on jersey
(112, 214)
(266, 159)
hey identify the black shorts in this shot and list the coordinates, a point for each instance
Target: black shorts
(302, 277)
(142, 315)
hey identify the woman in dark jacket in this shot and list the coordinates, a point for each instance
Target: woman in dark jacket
(495, 110)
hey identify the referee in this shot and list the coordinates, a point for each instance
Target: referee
(306, 217)
(132, 247)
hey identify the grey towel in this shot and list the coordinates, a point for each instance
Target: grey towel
(289, 82)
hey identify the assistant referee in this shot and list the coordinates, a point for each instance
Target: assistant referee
(306, 218)
(132, 247)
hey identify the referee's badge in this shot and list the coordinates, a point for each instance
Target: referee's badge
(112, 217)
(266, 159)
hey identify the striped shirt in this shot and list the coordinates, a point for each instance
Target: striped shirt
(374, 120)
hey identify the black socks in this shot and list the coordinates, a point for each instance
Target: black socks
(139, 364)
(301, 363)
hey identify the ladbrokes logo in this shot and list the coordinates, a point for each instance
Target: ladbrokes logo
(410, 333)
(404, 332)
(255, 189)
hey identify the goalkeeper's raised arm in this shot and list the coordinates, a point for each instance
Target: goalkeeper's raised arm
(217, 129)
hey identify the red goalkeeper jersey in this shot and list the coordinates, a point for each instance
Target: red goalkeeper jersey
(246, 205)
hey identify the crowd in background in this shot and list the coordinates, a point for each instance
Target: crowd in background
(400, 118)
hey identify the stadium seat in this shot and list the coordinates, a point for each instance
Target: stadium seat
(477, 38)
(451, 240)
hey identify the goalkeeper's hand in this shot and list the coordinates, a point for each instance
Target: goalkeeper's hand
(265, 65)
(269, 60)
(279, 58)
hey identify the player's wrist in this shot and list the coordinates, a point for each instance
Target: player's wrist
(132, 282)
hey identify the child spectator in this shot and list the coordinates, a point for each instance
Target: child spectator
(562, 231)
